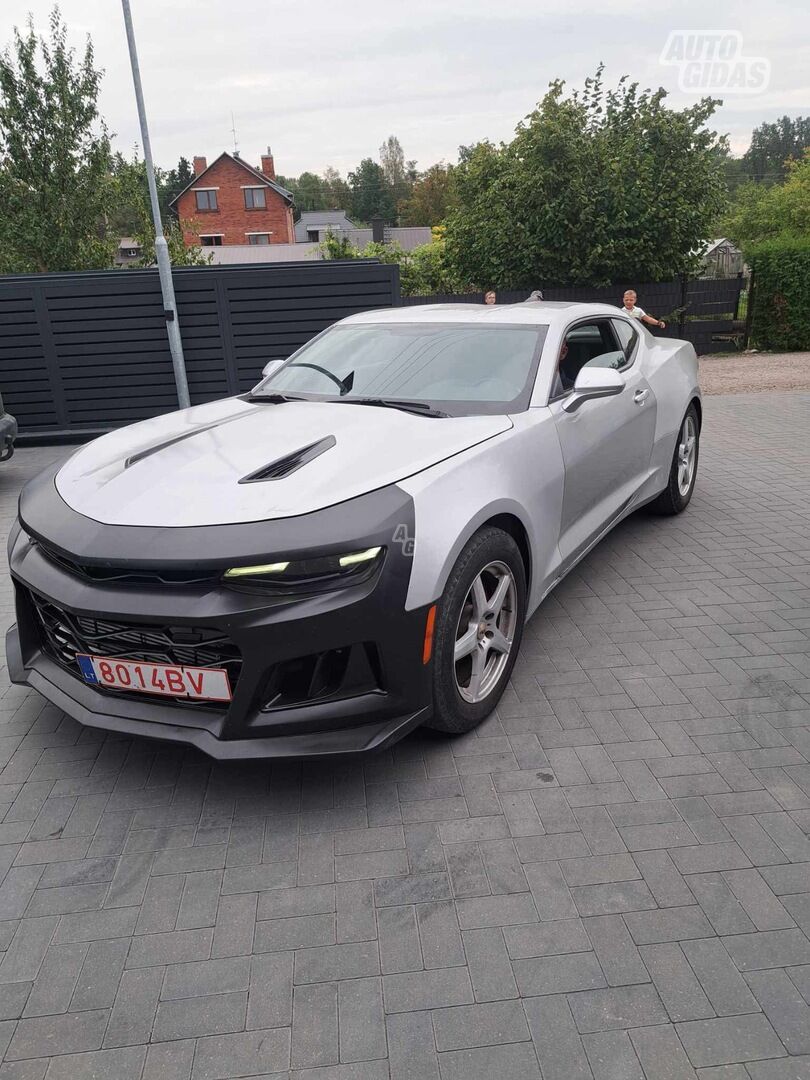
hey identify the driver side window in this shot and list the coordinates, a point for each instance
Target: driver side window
(590, 344)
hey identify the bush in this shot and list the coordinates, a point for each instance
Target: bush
(781, 316)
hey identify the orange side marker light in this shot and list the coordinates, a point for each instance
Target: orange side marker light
(427, 648)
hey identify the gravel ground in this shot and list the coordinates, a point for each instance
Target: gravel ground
(750, 372)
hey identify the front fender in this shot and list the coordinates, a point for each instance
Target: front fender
(520, 473)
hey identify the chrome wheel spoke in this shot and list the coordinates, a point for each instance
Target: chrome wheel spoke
(478, 594)
(479, 658)
(500, 594)
(466, 643)
(499, 642)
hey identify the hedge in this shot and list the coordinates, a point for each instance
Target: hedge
(781, 315)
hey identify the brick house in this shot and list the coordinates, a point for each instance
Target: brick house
(230, 202)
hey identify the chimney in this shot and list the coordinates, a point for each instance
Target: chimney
(268, 168)
(200, 165)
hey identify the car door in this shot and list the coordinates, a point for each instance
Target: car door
(606, 443)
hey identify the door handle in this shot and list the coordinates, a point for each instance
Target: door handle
(641, 396)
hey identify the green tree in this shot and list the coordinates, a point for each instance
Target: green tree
(432, 197)
(131, 215)
(336, 191)
(54, 155)
(773, 144)
(173, 182)
(761, 212)
(370, 193)
(597, 186)
(399, 174)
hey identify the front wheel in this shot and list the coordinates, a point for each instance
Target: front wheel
(683, 471)
(478, 631)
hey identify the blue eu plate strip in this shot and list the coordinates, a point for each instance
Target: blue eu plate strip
(87, 669)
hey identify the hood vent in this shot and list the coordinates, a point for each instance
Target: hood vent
(290, 463)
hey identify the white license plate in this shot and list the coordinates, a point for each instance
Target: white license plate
(210, 684)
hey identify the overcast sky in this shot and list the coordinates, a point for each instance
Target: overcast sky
(324, 83)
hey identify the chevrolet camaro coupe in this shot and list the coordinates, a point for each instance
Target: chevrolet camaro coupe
(351, 549)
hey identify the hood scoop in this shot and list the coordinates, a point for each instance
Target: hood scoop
(290, 463)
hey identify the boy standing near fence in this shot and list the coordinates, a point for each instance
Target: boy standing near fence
(632, 309)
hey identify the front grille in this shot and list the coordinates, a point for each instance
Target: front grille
(64, 635)
(128, 575)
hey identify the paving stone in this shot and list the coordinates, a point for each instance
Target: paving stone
(482, 1063)
(133, 1015)
(71, 1033)
(611, 1056)
(418, 990)
(479, 1025)
(618, 956)
(332, 962)
(270, 991)
(361, 1021)
(770, 949)
(315, 1026)
(618, 1007)
(488, 964)
(729, 1039)
(192, 1018)
(251, 1053)
(558, 974)
(411, 1046)
(556, 1040)
(669, 924)
(661, 1054)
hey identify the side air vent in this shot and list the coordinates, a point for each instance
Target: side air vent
(290, 463)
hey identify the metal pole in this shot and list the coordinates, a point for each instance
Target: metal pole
(161, 247)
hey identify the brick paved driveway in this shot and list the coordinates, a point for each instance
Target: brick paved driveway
(611, 878)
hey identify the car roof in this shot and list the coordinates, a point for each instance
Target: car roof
(533, 312)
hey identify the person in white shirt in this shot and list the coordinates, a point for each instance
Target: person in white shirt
(632, 309)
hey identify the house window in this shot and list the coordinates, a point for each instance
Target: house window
(255, 198)
(313, 235)
(211, 241)
(258, 238)
(206, 199)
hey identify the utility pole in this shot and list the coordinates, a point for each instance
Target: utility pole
(161, 247)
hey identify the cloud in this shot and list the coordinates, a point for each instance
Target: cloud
(324, 84)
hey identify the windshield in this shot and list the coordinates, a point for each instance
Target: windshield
(458, 367)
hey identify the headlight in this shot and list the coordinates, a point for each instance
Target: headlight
(308, 575)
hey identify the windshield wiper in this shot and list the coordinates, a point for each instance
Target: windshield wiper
(419, 408)
(274, 399)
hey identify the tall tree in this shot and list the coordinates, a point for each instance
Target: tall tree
(174, 181)
(773, 144)
(370, 193)
(596, 186)
(432, 197)
(399, 174)
(54, 155)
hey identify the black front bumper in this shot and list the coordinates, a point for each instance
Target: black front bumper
(339, 672)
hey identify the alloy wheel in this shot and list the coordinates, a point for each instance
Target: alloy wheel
(485, 632)
(687, 454)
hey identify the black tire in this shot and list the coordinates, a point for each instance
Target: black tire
(673, 500)
(485, 555)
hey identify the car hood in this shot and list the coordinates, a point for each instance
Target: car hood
(190, 468)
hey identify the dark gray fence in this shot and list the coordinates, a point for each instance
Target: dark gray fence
(83, 353)
(702, 311)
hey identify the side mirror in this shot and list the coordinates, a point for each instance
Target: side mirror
(593, 382)
(271, 366)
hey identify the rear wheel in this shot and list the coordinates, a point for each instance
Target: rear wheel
(683, 471)
(478, 631)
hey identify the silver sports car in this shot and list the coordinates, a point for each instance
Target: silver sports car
(352, 549)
